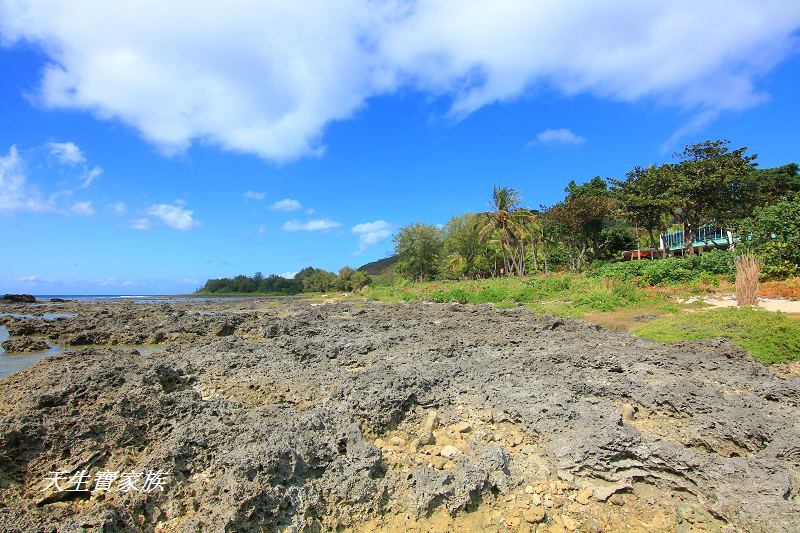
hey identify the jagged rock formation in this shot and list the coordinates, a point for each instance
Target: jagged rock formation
(416, 416)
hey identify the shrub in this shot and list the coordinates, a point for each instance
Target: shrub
(673, 270)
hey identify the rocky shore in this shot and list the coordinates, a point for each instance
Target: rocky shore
(282, 414)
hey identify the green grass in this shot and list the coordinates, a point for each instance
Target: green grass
(770, 337)
(563, 294)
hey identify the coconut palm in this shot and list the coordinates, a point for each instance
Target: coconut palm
(508, 219)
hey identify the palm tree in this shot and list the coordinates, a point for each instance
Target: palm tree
(508, 218)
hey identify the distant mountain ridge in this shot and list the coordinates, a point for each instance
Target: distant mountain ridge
(376, 268)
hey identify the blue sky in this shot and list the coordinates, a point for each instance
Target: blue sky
(140, 157)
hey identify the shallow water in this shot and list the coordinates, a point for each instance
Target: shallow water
(170, 299)
(43, 316)
(14, 363)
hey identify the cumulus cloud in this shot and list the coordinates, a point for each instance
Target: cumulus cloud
(286, 205)
(66, 153)
(558, 136)
(322, 224)
(175, 216)
(254, 195)
(371, 233)
(288, 275)
(165, 68)
(82, 208)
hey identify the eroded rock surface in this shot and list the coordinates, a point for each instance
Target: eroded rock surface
(25, 345)
(411, 417)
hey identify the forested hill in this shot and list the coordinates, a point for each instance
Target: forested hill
(376, 268)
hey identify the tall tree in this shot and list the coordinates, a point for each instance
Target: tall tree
(699, 186)
(765, 186)
(419, 247)
(463, 237)
(507, 218)
(643, 200)
(582, 219)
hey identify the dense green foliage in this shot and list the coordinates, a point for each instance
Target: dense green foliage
(257, 283)
(307, 280)
(773, 234)
(419, 247)
(706, 267)
(708, 186)
(771, 337)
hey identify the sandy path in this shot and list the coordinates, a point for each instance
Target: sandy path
(770, 304)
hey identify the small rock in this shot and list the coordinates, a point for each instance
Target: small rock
(592, 526)
(603, 492)
(450, 452)
(628, 412)
(536, 499)
(398, 441)
(414, 446)
(617, 499)
(534, 515)
(583, 495)
(437, 462)
(426, 437)
(529, 489)
(462, 427)
(518, 440)
(431, 422)
(485, 415)
(569, 523)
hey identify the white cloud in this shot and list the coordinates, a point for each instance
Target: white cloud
(140, 224)
(16, 194)
(322, 224)
(174, 216)
(254, 195)
(89, 176)
(118, 208)
(560, 136)
(370, 233)
(67, 153)
(82, 208)
(165, 68)
(288, 275)
(286, 205)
